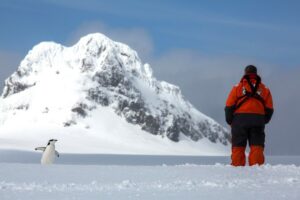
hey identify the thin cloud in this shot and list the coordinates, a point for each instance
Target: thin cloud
(136, 38)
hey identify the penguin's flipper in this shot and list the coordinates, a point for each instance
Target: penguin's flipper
(56, 153)
(40, 148)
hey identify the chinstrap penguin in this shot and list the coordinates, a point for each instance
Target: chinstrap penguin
(49, 152)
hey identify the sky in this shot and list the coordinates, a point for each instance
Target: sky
(201, 46)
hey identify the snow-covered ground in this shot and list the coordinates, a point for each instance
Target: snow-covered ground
(145, 177)
(112, 135)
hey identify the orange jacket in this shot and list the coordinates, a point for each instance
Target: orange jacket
(249, 99)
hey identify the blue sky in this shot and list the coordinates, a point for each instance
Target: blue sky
(202, 46)
(267, 30)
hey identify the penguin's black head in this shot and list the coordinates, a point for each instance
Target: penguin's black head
(52, 141)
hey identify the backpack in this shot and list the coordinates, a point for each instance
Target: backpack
(253, 94)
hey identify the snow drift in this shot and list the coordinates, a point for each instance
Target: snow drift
(32, 181)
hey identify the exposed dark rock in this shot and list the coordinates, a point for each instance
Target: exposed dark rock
(112, 77)
(23, 107)
(195, 136)
(81, 109)
(136, 105)
(151, 124)
(203, 127)
(124, 54)
(96, 95)
(122, 104)
(173, 133)
(69, 123)
(13, 88)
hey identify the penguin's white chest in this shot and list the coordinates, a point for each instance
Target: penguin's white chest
(48, 155)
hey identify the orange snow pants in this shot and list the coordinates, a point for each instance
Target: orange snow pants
(256, 156)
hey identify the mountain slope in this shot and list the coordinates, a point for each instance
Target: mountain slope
(99, 91)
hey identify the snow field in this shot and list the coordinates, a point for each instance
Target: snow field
(33, 181)
(107, 133)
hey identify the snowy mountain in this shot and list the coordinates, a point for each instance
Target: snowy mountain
(97, 96)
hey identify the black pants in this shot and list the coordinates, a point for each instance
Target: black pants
(254, 135)
(248, 128)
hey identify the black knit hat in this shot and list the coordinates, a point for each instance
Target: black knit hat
(250, 69)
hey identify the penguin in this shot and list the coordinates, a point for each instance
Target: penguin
(49, 152)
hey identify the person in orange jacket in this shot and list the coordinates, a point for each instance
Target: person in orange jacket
(249, 107)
